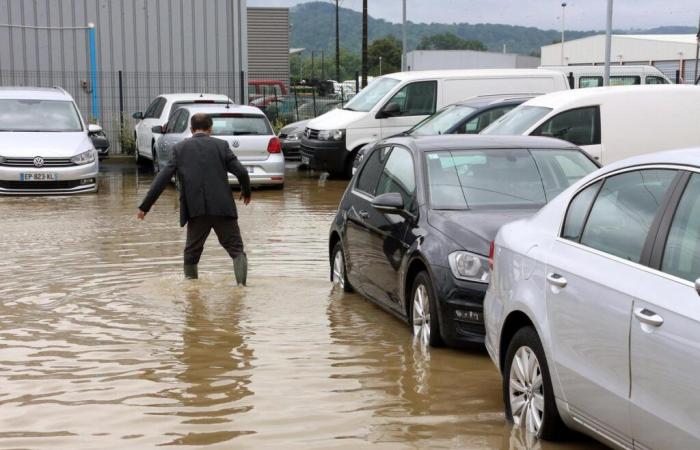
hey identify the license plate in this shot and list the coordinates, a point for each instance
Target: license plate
(305, 160)
(38, 177)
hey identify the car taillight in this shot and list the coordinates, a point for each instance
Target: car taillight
(274, 146)
(491, 253)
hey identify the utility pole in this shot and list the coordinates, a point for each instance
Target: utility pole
(323, 65)
(404, 48)
(380, 66)
(563, 10)
(337, 41)
(608, 44)
(364, 43)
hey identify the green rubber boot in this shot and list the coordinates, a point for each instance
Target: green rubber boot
(191, 272)
(240, 269)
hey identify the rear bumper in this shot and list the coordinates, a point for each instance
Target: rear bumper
(70, 180)
(269, 172)
(328, 156)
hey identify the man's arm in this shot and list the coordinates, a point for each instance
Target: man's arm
(235, 167)
(158, 185)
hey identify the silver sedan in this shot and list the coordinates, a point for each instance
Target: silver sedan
(593, 312)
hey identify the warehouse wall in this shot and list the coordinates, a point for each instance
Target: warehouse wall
(268, 43)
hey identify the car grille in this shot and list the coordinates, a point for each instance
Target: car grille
(29, 162)
(28, 185)
(311, 133)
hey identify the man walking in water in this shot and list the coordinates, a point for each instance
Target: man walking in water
(202, 164)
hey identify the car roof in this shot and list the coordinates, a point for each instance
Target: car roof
(488, 100)
(685, 157)
(230, 108)
(479, 141)
(580, 97)
(470, 73)
(193, 96)
(34, 93)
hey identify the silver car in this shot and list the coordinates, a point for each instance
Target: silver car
(247, 131)
(593, 312)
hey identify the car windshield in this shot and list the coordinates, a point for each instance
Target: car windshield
(517, 121)
(240, 125)
(442, 121)
(502, 178)
(370, 96)
(39, 115)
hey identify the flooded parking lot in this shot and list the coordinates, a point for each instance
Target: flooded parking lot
(104, 345)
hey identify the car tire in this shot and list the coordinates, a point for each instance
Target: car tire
(156, 164)
(530, 394)
(424, 321)
(339, 275)
(137, 155)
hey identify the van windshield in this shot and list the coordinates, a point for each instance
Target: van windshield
(370, 96)
(517, 121)
(39, 115)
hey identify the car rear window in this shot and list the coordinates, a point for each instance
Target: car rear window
(240, 125)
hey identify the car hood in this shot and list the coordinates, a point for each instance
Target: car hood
(473, 230)
(294, 127)
(336, 119)
(51, 145)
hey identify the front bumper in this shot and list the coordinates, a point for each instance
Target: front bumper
(328, 156)
(70, 180)
(291, 149)
(269, 172)
(461, 308)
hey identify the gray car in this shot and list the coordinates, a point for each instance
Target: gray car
(593, 312)
(247, 131)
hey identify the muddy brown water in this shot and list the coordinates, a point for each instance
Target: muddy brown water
(104, 345)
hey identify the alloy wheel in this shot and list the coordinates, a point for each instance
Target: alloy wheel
(339, 270)
(421, 314)
(526, 393)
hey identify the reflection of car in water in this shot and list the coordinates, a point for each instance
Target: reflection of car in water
(414, 228)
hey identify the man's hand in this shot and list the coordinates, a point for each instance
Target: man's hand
(246, 200)
(140, 215)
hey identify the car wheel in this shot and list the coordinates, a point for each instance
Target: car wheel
(339, 275)
(527, 387)
(156, 164)
(137, 154)
(424, 316)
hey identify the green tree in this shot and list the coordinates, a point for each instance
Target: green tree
(389, 49)
(449, 41)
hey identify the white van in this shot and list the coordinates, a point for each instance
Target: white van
(611, 123)
(626, 75)
(394, 103)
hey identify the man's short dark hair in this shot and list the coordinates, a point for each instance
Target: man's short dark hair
(201, 122)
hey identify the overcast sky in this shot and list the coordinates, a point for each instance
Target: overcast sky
(580, 14)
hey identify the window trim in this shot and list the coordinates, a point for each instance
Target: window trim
(434, 107)
(598, 137)
(416, 202)
(357, 191)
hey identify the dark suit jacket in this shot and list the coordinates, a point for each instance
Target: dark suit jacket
(201, 164)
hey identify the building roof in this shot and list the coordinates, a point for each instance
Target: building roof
(34, 93)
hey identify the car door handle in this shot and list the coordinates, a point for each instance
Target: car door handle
(364, 214)
(648, 317)
(557, 280)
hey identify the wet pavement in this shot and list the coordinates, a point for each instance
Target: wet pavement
(104, 345)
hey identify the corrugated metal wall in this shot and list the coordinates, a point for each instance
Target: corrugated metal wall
(160, 45)
(268, 42)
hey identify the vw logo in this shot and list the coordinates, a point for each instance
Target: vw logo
(235, 143)
(38, 161)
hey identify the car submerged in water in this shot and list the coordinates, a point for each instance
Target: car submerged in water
(414, 228)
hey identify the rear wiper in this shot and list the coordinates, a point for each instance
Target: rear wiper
(246, 133)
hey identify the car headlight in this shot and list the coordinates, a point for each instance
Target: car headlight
(294, 136)
(469, 266)
(84, 158)
(331, 135)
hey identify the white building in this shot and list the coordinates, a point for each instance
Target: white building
(669, 53)
(467, 59)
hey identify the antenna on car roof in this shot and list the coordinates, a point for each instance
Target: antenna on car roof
(228, 103)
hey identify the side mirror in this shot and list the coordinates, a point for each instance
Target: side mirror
(391, 109)
(158, 129)
(137, 115)
(389, 203)
(94, 128)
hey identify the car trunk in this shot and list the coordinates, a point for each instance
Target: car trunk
(248, 135)
(248, 148)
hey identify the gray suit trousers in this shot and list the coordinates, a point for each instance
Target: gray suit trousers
(198, 229)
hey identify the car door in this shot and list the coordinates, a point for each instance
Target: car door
(357, 230)
(415, 101)
(580, 126)
(144, 131)
(387, 231)
(174, 130)
(592, 278)
(665, 333)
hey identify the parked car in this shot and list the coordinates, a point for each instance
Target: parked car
(100, 142)
(611, 123)
(394, 103)
(158, 113)
(290, 137)
(627, 75)
(45, 144)
(593, 315)
(412, 231)
(247, 131)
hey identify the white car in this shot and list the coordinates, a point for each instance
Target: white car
(44, 143)
(247, 131)
(158, 113)
(593, 314)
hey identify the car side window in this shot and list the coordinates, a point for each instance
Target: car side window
(682, 251)
(399, 176)
(172, 123)
(181, 122)
(590, 81)
(476, 124)
(369, 177)
(150, 111)
(624, 210)
(580, 126)
(159, 110)
(653, 79)
(578, 211)
(416, 99)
